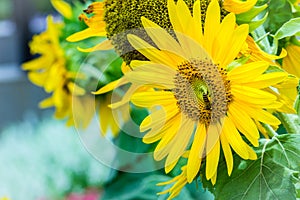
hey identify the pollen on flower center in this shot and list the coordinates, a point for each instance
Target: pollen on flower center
(202, 90)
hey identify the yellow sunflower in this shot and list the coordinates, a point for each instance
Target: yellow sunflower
(254, 53)
(291, 62)
(43, 70)
(204, 105)
(96, 28)
(49, 71)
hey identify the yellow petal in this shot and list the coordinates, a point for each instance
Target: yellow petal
(163, 148)
(106, 117)
(126, 97)
(212, 156)
(153, 74)
(212, 24)
(171, 166)
(161, 37)
(75, 89)
(158, 128)
(197, 23)
(37, 78)
(248, 72)
(112, 85)
(240, 35)
(105, 45)
(196, 153)
(238, 6)
(252, 95)
(46, 103)
(267, 80)
(214, 178)
(41, 62)
(223, 38)
(180, 141)
(234, 139)
(291, 62)
(153, 54)
(227, 152)
(155, 120)
(243, 123)
(149, 99)
(63, 8)
(84, 34)
(82, 110)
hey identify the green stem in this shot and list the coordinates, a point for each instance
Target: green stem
(288, 123)
(269, 130)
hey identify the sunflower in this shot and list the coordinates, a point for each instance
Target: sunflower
(50, 71)
(291, 62)
(254, 53)
(96, 28)
(205, 106)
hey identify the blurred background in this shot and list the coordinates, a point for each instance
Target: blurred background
(19, 20)
(40, 158)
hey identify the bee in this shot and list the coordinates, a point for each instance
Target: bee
(206, 101)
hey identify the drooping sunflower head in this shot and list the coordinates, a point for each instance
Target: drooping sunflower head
(124, 17)
(57, 70)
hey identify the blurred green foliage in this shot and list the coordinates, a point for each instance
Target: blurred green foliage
(6, 9)
(45, 159)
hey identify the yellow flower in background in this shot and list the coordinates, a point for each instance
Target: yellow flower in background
(49, 71)
(111, 120)
(238, 6)
(179, 182)
(63, 8)
(72, 103)
(291, 63)
(96, 28)
(44, 69)
(254, 53)
(204, 106)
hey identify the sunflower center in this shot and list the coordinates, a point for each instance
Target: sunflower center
(202, 90)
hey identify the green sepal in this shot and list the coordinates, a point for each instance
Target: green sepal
(255, 24)
(249, 15)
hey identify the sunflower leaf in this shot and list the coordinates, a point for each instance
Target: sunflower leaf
(290, 28)
(274, 175)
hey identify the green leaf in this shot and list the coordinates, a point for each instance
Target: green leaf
(254, 17)
(272, 176)
(288, 29)
(254, 24)
(249, 15)
(284, 149)
(280, 12)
